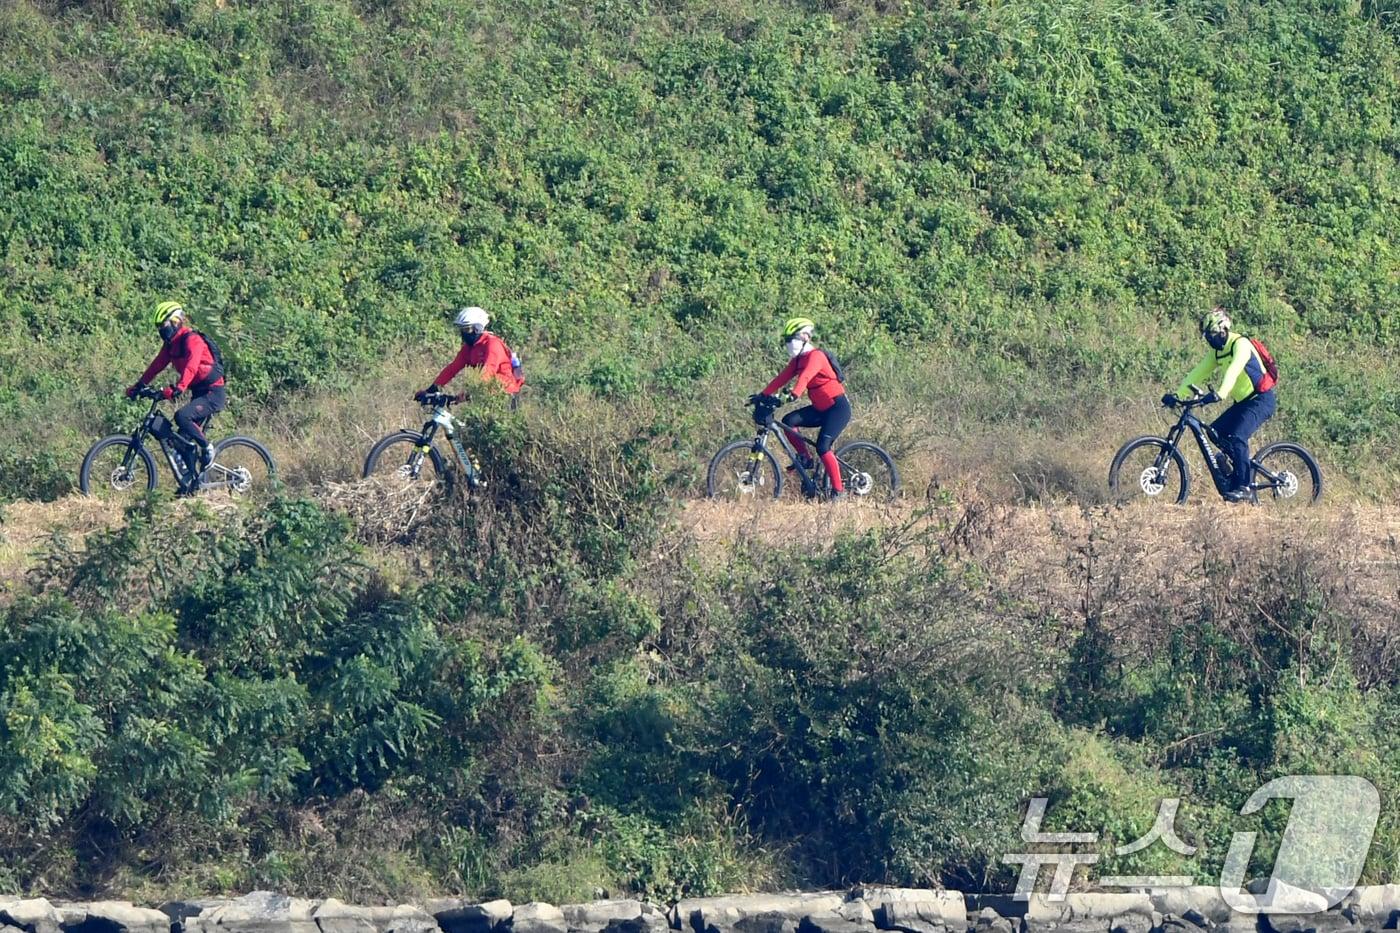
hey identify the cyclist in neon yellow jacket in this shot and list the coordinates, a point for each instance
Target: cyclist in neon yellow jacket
(1246, 381)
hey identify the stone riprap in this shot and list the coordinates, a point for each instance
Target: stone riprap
(862, 910)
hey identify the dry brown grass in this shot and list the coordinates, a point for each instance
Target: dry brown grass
(28, 527)
(29, 530)
(324, 436)
(1135, 571)
(382, 508)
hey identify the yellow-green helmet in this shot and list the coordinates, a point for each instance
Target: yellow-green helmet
(1215, 321)
(796, 325)
(165, 310)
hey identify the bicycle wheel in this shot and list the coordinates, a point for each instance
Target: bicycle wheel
(1148, 469)
(402, 459)
(1286, 476)
(240, 465)
(114, 469)
(867, 472)
(739, 472)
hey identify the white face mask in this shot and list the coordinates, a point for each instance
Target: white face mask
(796, 345)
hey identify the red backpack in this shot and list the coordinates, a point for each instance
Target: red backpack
(1270, 367)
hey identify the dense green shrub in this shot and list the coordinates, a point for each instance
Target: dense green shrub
(546, 707)
(170, 678)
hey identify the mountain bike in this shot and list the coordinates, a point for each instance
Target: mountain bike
(122, 465)
(1152, 469)
(748, 469)
(411, 456)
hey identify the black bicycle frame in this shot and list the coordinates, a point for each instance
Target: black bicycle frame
(177, 465)
(776, 428)
(425, 439)
(1204, 435)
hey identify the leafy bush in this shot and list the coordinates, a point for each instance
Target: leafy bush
(263, 665)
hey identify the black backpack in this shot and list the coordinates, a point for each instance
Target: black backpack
(835, 366)
(216, 372)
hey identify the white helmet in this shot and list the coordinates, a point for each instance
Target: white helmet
(475, 318)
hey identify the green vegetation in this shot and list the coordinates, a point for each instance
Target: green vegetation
(507, 704)
(1002, 214)
(1004, 217)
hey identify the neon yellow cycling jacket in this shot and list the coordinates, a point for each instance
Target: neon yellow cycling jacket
(1239, 359)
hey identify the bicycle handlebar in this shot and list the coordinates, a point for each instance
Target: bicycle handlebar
(441, 399)
(763, 408)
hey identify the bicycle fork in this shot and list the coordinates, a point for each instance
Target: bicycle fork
(755, 471)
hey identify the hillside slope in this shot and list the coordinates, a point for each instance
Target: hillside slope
(581, 692)
(1004, 216)
(1038, 197)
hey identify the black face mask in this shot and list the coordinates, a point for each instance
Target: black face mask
(168, 332)
(1217, 341)
(469, 337)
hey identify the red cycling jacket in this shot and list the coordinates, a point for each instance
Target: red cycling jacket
(190, 356)
(814, 375)
(489, 353)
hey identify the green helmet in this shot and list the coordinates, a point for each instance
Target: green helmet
(1215, 321)
(165, 310)
(795, 326)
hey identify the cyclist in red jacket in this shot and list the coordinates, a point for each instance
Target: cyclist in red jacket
(830, 409)
(482, 349)
(197, 369)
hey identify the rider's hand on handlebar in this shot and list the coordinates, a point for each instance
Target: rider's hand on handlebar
(1169, 400)
(133, 390)
(422, 397)
(759, 398)
(1210, 398)
(169, 392)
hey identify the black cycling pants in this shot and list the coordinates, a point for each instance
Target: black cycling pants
(832, 422)
(195, 414)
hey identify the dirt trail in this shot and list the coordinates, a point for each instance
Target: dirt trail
(977, 523)
(27, 528)
(1062, 556)
(1070, 562)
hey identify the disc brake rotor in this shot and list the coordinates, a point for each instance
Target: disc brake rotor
(122, 478)
(860, 483)
(1151, 481)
